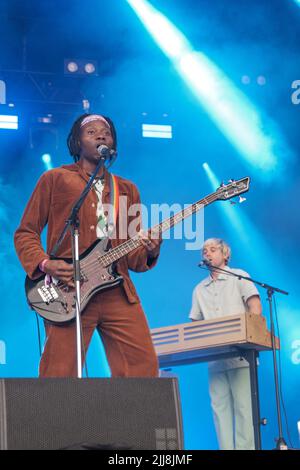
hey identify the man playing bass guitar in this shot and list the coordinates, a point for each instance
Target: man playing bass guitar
(116, 313)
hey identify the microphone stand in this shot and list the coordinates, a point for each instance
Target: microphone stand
(72, 224)
(280, 441)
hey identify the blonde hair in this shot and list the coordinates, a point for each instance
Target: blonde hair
(225, 248)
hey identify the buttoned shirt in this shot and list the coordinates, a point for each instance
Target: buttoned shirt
(226, 295)
(102, 224)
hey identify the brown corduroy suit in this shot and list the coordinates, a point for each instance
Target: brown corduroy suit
(116, 313)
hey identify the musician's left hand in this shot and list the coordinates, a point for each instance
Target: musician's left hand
(152, 244)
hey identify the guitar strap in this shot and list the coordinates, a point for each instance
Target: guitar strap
(114, 205)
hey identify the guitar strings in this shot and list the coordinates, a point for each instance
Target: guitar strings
(129, 245)
(123, 249)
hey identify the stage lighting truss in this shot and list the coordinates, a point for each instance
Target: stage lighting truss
(43, 138)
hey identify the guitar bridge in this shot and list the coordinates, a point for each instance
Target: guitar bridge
(48, 294)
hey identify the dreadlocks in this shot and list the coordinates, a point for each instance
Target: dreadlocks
(73, 139)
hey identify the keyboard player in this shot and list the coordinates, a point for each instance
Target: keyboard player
(219, 295)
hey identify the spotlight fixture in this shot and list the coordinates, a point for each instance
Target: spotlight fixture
(72, 67)
(245, 80)
(8, 121)
(80, 67)
(261, 80)
(89, 68)
(157, 131)
(48, 119)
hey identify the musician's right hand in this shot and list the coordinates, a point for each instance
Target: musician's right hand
(61, 270)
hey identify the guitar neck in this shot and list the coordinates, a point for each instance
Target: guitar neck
(133, 243)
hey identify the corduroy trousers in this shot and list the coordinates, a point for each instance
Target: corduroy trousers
(124, 332)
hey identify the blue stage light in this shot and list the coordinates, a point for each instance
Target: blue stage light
(253, 135)
(9, 122)
(157, 131)
(258, 253)
(46, 158)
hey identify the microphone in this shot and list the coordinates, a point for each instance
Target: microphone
(105, 152)
(205, 262)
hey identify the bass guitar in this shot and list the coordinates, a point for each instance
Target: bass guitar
(55, 302)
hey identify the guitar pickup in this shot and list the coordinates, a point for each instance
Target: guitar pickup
(48, 294)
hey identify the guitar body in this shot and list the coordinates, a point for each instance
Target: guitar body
(56, 302)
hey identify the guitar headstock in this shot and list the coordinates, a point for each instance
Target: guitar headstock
(233, 188)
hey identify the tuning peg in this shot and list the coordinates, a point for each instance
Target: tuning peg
(222, 184)
(231, 180)
(241, 199)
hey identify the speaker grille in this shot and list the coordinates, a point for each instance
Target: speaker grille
(119, 413)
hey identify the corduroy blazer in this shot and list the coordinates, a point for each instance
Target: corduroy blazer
(50, 204)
